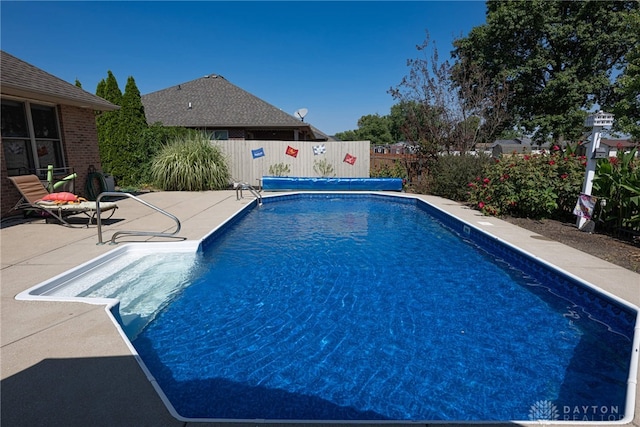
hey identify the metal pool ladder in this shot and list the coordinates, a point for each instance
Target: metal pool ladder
(134, 233)
(239, 186)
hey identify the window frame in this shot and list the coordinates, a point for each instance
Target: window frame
(31, 140)
(215, 135)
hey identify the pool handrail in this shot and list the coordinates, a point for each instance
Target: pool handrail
(133, 233)
(239, 186)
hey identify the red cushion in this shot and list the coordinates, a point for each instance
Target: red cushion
(62, 196)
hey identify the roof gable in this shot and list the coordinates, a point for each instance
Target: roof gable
(21, 79)
(212, 101)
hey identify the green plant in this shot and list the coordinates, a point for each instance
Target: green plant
(617, 181)
(323, 168)
(451, 174)
(191, 163)
(279, 169)
(534, 185)
(386, 171)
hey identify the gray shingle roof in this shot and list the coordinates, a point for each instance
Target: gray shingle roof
(211, 101)
(21, 79)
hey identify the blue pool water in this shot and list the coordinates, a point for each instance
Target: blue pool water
(337, 308)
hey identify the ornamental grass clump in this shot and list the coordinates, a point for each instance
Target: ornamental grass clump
(191, 163)
(544, 185)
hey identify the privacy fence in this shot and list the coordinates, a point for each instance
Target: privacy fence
(251, 160)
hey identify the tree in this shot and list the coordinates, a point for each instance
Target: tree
(557, 58)
(437, 112)
(348, 135)
(107, 121)
(625, 99)
(132, 117)
(128, 142)
(372, 127)
(375, 128)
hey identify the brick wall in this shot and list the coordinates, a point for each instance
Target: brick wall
(80, 142)
(80, 149)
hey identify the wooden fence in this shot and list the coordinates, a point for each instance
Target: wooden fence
(250, 160)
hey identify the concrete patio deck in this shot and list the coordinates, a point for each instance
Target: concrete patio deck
(65, 364)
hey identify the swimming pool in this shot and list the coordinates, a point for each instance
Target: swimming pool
(399, 346)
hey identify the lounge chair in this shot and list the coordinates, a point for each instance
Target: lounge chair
(32, 191)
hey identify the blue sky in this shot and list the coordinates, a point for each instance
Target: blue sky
(337, 59)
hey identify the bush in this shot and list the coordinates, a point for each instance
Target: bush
(190, 164)
(534, 186)
(451, 174)
(618, 182)
(386, 171)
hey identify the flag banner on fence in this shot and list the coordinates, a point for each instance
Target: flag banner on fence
(319, 149)
(584, 206)
(258, 152)
(349, 159)
(291, 151)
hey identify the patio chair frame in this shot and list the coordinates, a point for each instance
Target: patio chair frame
(32, 191)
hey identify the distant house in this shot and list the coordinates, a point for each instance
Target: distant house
(212, 104)
(615, 145)
(608, 147)
(45, 121)
(397, 148)
(510, 146)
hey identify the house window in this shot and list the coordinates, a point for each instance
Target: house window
(30, 137)
(220, 135)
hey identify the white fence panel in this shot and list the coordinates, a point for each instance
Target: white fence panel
(245, 168)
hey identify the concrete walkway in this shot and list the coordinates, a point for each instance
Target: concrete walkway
(65, 364)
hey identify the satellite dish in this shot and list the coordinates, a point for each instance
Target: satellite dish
(301, 113)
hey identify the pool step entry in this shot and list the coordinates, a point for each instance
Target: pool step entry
(145, 287)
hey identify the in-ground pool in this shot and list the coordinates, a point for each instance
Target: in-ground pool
(367, 307)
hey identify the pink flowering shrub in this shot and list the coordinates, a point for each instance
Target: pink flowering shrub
(533, 185)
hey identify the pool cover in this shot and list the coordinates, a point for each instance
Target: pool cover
(277, 183)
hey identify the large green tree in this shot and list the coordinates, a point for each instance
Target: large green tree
(375, 128)
(624, 101)
(556, 57)
(372, 127)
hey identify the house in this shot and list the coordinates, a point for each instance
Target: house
(45, 121)
(609, 147)
(212, 104)
(615, 145)
(397, 148)
(510, 146)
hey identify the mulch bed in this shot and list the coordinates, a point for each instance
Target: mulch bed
(625, 253)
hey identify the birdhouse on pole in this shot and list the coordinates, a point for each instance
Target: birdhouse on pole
(586, 203)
